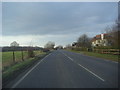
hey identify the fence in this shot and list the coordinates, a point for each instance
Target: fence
(8, 59)
(108, 51)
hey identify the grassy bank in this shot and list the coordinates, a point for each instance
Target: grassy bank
(16, 67)
(99, 55)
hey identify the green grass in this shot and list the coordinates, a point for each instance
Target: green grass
(39, 52)
(18, 55)
(104, 56)
(7, 57)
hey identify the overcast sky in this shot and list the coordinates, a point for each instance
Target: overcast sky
(37, 23)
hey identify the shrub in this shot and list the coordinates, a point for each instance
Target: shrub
(31, 54)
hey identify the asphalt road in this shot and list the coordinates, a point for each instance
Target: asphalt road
(64, 69)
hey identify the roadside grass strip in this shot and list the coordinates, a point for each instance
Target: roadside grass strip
(108, 57)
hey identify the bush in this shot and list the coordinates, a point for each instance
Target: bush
(31, 54)
(89, 49)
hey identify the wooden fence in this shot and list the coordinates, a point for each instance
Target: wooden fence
(108, 51)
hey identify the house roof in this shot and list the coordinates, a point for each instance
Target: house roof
(98, 37)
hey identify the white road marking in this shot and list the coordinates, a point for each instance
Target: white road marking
(85, 68)
(29, 72)
(91, 72)
(68, 57)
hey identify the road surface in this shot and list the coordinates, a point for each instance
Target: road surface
(64, 69)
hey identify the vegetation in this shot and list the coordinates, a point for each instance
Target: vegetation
(31, 53)
(49, 45)
(7, 57)
(16, 67)
(114, 32)
(84, 41)
(99, 55)
(105, 47)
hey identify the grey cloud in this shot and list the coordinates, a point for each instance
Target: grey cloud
(55, 18)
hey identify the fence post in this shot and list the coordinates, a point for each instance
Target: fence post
(22, 54)
(13, 56)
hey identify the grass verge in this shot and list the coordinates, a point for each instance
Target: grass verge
(99, 55)
(7, 57)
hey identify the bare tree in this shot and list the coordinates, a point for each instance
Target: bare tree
(59, 47)
(84, 41)
(113, 35)
(14, 44)
(49, 45)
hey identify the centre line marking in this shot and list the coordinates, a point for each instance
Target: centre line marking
(85, 68)
(29, 72)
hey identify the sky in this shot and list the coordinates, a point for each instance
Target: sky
(36, 23)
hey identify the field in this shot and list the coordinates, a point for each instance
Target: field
(7, 57)
(99, 55)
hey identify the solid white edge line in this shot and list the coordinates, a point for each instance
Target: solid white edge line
(29, 71)
(86, 69)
